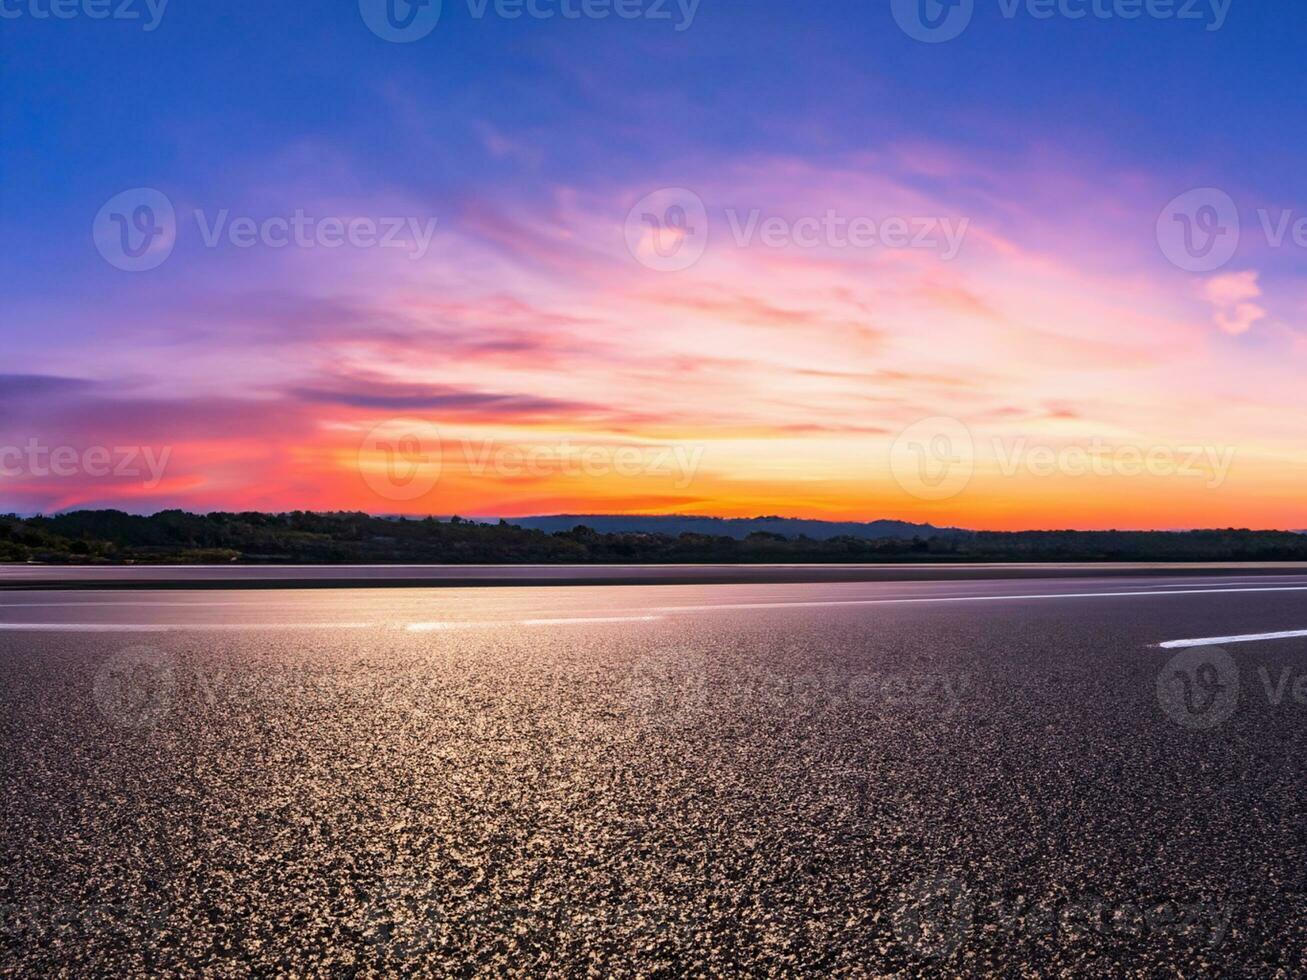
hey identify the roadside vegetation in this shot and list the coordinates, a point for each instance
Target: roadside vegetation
(174, 536)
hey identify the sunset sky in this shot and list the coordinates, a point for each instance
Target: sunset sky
(536, 355)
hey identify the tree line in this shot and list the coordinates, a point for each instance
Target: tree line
(110, 536)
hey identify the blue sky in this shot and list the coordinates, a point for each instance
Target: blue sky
(92, 105)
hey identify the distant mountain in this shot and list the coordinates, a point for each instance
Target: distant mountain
(738, 528)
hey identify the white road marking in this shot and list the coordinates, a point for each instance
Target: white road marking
(1211, 641)
(252, 627)
(168, 627)
(133, 602)
(654, 613)
(976, 598)
(84, 627)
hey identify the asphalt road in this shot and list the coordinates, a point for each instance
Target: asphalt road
(862, 779)
(23, 576)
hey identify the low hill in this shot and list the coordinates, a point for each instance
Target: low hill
(737, 528)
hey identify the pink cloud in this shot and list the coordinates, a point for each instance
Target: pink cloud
(1232, 294)
(790, 363)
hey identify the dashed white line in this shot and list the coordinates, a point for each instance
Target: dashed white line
(170, 627)
(656, 612)
(1216, 641)
(978, 598)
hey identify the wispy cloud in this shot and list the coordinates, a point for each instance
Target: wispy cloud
(1232, 296)
(792, 368)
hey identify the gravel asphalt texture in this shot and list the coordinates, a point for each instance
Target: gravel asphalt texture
(897, 790)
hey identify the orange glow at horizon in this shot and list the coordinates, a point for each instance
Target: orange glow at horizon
(1061, 374)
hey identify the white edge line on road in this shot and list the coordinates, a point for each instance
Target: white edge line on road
(170, 627)
(254, 627)
(975, 598)
(429, 627)
(1212, 641)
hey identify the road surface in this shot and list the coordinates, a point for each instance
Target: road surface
(22, 576)
(852, 778)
